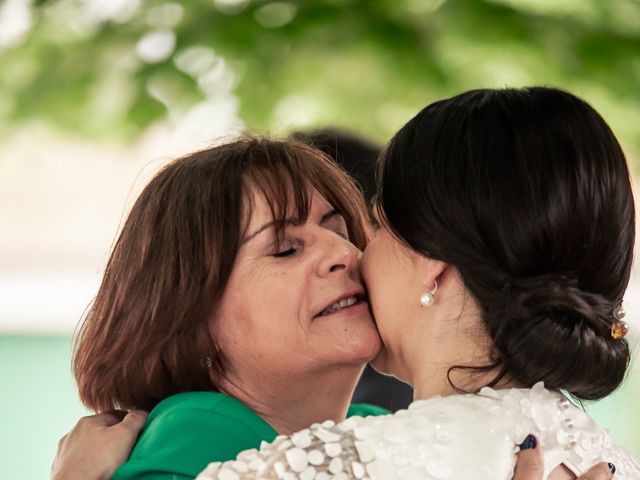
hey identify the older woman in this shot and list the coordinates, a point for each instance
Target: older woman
(231, 307)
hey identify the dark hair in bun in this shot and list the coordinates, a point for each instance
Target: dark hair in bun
(527, 193)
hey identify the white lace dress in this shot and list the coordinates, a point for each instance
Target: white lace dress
(457, 437)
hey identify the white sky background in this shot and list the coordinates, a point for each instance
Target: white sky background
(61, 204)
(62, 199)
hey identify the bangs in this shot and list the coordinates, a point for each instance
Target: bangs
(286, 192)
(284, 174)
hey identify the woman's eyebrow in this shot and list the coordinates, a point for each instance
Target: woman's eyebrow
(289, 222)
(328, 216)
(266, 226)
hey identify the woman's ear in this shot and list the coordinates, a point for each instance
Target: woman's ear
(433, 273)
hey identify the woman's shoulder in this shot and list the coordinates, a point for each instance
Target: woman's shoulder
(494, 421)
(187, 430)
(200, 403)
(207, 413)
(569, 435)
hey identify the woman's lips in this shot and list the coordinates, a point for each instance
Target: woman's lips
(360, 306)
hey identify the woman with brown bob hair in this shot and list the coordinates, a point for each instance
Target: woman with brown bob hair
(205, 293)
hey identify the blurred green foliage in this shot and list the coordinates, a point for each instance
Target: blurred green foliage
(366, 65)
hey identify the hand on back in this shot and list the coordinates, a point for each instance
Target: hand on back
(97, 445)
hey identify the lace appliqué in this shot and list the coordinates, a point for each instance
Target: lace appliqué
(322, 452)
(456, 437)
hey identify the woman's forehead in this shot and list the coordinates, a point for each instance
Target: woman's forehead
(259, 208)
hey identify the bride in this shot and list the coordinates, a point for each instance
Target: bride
(505, 240)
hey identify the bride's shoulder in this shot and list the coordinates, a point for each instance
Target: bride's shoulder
(492, 423)
(430, 438)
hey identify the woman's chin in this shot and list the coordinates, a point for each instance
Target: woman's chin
(362, 348)
(369, 344)
(372, 348)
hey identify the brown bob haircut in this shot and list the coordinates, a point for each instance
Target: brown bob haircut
(146, 336)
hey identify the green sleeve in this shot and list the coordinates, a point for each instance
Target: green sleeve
(181, 443)
(366, 410)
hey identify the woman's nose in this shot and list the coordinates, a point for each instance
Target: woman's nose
(338, 254)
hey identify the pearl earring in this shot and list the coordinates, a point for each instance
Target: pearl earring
(426, 299)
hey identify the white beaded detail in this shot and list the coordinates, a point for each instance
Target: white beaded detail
(454, 437)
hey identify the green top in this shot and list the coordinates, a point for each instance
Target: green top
(185, 432)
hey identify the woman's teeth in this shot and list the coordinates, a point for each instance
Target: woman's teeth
(345, 302)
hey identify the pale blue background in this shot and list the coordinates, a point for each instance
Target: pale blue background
(39, 404)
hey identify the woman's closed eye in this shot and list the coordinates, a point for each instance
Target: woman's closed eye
(334, 221)
(285, 252)
(285, 248)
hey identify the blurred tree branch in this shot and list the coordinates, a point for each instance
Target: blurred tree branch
(365, 65)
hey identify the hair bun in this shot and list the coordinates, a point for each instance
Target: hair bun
(555, 332)
(559, 297)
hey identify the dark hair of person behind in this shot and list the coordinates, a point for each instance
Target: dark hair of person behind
(146, 336)
(527, 193)
(355, 154)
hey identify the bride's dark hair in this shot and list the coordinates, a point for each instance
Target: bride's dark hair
(527, 193)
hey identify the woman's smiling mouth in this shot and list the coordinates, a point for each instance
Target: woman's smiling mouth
(345, 303)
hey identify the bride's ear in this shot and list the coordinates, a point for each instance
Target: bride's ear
(433, 273)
